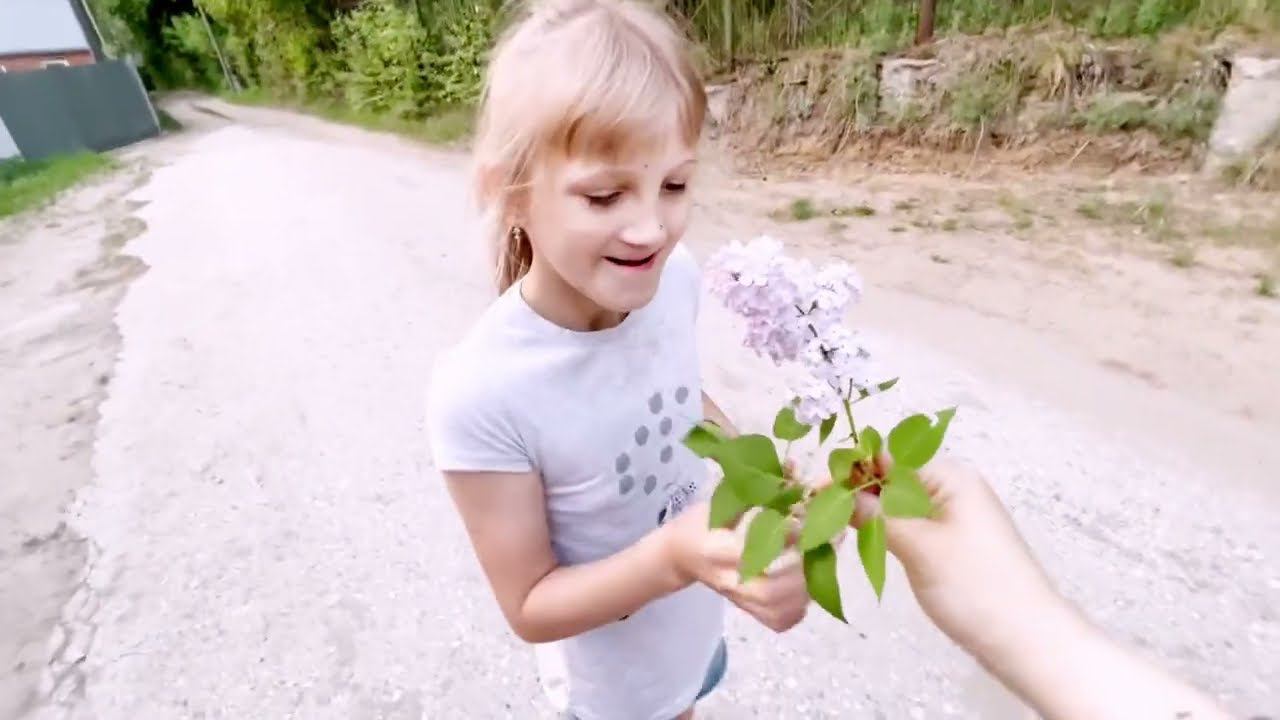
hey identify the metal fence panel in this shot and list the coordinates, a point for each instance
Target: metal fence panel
(62, 110)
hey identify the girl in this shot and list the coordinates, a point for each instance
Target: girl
(557, 421)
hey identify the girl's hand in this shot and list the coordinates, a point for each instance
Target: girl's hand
(778, 598)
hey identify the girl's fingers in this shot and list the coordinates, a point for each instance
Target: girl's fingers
(722, 548)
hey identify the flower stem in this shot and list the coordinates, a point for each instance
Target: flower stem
(853, 429)
(866, 485)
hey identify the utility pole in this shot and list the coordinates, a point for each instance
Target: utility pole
(232, 82)
(924, 28)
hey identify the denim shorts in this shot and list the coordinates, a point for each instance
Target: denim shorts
(715, 673)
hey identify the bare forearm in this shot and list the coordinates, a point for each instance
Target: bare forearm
(1067, 668)
(712, 412)
(571, 600)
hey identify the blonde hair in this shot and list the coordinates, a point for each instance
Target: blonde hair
(596, 78)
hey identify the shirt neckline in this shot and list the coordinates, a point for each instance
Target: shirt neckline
(588, 337)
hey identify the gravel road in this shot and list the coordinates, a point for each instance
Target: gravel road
(266, 536)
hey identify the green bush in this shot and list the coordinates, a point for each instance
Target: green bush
(380, 48)
(985, 96)
(189, 39)
(1112, 112)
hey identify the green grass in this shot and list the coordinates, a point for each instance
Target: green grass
(1092, 208)
(168, 123)
(1266, 285)
(442, 126)
(26, 184)
(1184, 257)
(854, 211)
(802, 209)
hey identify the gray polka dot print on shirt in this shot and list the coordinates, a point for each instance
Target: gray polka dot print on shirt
(655, 403)
(625, 483)
(622, 463)
(650, 483)
(642, 435)
(682, 394)
(664, 427)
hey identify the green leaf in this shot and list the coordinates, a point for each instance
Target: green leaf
(824, 430)
(871, 441)
(840, 463)
(756, 451)
(703, 439)
(766, 537)
(904, 495)
(726, 506)
(864, 393)
(752, 486)
(828, 513)
(820, 578)
(751, 467)
(914, 441)
(783, 501)
(872, 550)
(787, 427)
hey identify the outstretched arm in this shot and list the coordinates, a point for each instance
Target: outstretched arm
(976, 579)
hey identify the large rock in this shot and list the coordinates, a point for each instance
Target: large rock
(904, 81)
(1250, 116)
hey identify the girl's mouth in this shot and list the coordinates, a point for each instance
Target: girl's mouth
(643, 263)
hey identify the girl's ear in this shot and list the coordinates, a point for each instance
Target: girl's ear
(492, 188)
(488, 184)
(516, 207)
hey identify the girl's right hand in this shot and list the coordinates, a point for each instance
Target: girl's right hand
(698, 553)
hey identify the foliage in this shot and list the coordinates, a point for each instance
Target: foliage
(409, 60)
(1188, 114)
(979, 99)
(758, 27)
(187, 38)
(381, 48)
(29, 183)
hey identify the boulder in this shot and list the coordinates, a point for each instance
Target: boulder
(1250, 115)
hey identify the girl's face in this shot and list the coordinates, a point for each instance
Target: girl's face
(602, 230)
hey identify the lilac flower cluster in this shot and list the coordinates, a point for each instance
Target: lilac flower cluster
(794, 313)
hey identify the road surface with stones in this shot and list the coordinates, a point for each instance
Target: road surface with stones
(267, 537)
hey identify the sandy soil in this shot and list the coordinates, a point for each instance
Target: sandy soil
(257, 529)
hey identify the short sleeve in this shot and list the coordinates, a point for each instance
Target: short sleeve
(468, 425)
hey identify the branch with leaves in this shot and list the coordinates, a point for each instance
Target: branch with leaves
(794, 313)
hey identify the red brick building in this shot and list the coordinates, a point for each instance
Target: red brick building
(20, 62)
(35, 34)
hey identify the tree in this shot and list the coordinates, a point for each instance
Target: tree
(924, 26)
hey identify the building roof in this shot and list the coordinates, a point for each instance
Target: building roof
(33, 26)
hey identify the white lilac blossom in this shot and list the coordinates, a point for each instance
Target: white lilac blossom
(795, 312)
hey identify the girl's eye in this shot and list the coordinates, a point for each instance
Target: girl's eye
(674, 188)
(604, 199)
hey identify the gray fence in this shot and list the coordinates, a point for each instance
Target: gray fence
(71, 109)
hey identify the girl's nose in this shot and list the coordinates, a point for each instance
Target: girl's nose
(648, 233)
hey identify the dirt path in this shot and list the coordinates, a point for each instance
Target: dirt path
(265, 535)
(61, 274)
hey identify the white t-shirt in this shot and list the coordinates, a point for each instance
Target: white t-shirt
(600, 416)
